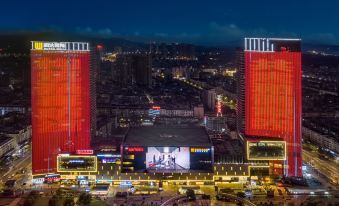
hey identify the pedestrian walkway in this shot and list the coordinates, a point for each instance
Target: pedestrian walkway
(15, 202)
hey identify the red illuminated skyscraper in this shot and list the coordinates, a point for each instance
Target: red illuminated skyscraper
(270, 107)
(60, 101)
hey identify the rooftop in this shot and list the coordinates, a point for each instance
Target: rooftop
(167, 136)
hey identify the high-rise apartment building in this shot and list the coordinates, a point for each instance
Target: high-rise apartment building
(60, 101)
(269, 107)
(142, 70)
(132, 69)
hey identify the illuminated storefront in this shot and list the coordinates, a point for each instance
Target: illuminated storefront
(167, 159)
(60, 101)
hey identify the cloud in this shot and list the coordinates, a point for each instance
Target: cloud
(323, 38)
(225, 31)
(83, 30)
(214, 34)
(105, 32)
(160, 34)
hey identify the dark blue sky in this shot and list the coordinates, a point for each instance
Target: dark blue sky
(205, 22)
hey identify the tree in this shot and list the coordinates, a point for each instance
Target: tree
(69, 202)
(53, 201)
(29, 201)
(85, 199)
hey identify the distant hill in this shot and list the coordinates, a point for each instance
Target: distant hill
(20, 41)
(329, 49)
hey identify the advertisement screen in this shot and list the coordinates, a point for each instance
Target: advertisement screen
(75, 163)
(201, 159)
(266, 150)
(167, 159)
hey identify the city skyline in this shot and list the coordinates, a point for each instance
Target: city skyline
(169, 103)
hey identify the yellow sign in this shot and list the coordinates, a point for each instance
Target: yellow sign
(38, 45)
(197, 149)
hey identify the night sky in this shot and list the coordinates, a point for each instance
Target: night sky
(202, 22)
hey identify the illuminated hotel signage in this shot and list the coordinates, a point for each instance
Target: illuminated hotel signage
(199, 150)
(265, 44)
(76, 161)
(156, 107)
(135, 149)
(60, 46)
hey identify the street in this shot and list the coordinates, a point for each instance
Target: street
(328, 168)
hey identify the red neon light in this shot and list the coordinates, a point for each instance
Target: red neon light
(53, 78)
(156, 107)
(84, 152)
(219, 112)
(135, 149)
(273, 100)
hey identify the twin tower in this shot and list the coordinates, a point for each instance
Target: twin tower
(268, 107)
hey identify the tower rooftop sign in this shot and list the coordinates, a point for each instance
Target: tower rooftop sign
(271, 44)
(60, 46)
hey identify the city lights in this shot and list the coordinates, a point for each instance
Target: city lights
(169, 103)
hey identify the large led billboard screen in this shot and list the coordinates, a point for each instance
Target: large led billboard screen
(76, 163)
(266, 150)
(167, 159)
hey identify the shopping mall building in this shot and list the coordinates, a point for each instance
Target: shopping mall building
(153, 154)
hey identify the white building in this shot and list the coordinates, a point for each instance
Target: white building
(6, 144)
(22, 135)
(320, 140)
